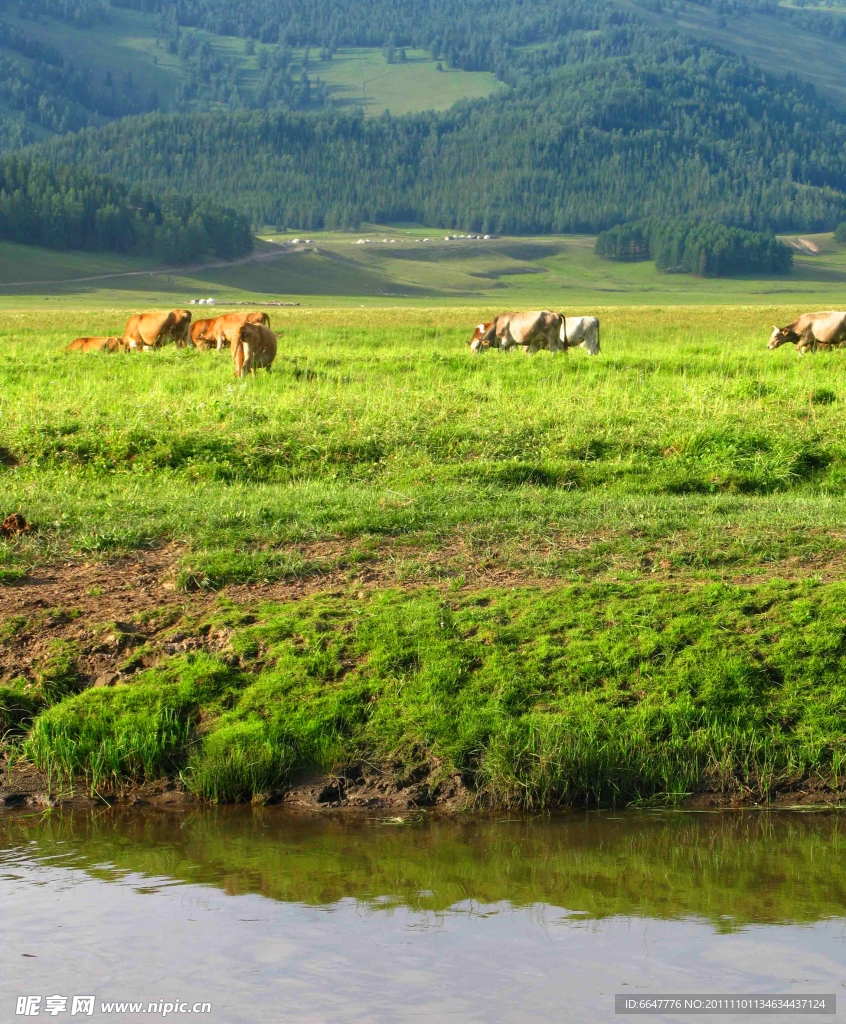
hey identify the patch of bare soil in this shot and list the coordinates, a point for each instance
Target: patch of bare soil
(365, 787)
(794, 795)
(382, 787)
(13, 525)
(25, 786)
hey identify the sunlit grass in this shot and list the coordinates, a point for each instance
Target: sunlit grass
(671, 512)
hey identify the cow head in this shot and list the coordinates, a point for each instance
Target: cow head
(478, 342)
(780, 336)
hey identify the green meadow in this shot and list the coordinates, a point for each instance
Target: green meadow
(571, 579)
(420, 268)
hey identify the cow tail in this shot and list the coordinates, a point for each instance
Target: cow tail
(564, 324)
(597, 332)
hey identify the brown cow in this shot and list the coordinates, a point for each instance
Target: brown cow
(151, 330)
(532, 330)
(253, 347)
(95, 345)
(199, 331)
(812, 331)
(218, 331)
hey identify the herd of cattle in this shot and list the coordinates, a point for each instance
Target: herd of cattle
(247, 336)
(252, 344)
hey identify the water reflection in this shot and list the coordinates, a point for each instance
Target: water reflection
(269, 914)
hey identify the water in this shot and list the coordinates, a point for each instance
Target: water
(274, 917)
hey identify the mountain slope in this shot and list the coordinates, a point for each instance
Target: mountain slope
(678, 129)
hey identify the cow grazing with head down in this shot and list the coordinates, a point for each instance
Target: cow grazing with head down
(252, 348)
(219, 331)
(95, 345)
(812, 331)
(531, 330)
(475, 342)
(580, 332)
(145, 331)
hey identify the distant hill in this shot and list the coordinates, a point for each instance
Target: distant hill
(65, 66)
(573, 118)
(779, 38)
(678, 130)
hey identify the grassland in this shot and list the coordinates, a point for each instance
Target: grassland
(566, 579)
(333, 269)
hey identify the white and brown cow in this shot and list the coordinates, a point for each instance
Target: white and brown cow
(475, 342)
(812, 331)
(531, 330)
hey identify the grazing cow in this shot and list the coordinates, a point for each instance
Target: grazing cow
(475, 342)
(201, 332)
(812, 331)
(532, 330)
(221, 330)
(580, 331)
(95, 345)
(253, 347)
(151, 330)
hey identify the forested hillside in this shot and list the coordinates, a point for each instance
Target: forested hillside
(679, 130)
(70, 208)
(681, 246)
(606, 119)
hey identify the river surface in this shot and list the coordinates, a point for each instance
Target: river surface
(271, 916)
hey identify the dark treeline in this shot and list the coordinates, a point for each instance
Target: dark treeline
(708, 249)
(450, 30)
(69, 208)
(79, 13)
(679, 131)
(65, 98)
(14, 39)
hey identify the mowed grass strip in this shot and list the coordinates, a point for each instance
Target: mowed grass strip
(600, 694)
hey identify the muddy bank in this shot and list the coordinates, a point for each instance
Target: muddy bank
(370, 788)
(362, 787)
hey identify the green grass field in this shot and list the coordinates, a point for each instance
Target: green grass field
(569, 578)
(557, 271)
